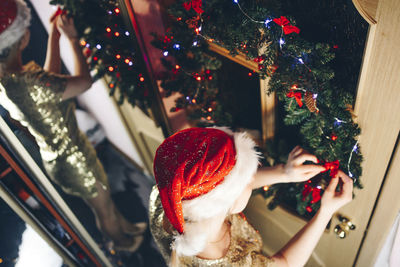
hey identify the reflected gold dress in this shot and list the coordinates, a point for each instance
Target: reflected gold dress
(244, 249)
(34, 98)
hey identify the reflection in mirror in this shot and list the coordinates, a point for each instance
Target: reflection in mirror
(102, 185)
(20, 245)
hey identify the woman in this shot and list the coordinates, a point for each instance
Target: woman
(38, 99)
(204, 180)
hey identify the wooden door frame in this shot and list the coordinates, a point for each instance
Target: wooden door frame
(377, 108)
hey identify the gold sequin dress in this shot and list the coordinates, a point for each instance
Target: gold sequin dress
(34, 98)
(244, 249)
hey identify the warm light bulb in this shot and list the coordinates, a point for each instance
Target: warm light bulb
(108, 29)
(111, 68)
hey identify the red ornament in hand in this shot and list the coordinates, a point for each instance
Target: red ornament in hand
(284, 23)
(333, 167)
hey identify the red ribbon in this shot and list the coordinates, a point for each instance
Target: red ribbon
(297, 96)
(284, 23)
(332, 166)
(315, 193)
(195, 4)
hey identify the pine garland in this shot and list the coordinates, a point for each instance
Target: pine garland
(111, 50)
(301, 75)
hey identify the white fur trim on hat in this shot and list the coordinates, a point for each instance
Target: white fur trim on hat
(220, 199)
(17, 28)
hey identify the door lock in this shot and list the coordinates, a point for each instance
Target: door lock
(343, 228)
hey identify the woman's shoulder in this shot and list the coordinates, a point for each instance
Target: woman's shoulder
(29, 70)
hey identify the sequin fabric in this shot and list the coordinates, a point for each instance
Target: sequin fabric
(34, 98)
(244, 249)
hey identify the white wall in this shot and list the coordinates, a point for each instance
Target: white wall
(96, 100)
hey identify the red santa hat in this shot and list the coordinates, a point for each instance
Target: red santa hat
(200, 172)
(15, 18)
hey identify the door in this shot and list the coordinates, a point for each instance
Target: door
(377, 109)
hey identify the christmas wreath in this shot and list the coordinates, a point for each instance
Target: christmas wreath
(317, 99)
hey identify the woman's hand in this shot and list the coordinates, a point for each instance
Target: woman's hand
(53, 25)
(296, 171)
(66, 26)
(332, 200)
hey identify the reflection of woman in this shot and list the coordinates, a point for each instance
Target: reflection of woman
(205, 177)
(38, 98)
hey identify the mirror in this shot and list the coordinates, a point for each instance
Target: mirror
(20, 242)
(97, 171)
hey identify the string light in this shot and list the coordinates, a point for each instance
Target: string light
(195, 43)
(194, 101)
(109, 12)
(187, 98)
(141, 79)
(267, 21)
(355, 147)
(111, 85)
(108, 29)
(87, 45)
(130, 63)
(281, 42)
(98, 46)
(209, 109)
(116, 34)
(209, 118)
(83, 42)
(118, 56)
(110, 68)
(177, 67)
(165, 53)
(176, 46)
(117, 10)
(127, 61)
(301, 60)
(314, 96)
(198, 78)
(127, 33)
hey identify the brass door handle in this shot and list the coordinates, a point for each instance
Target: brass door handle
(343, 228)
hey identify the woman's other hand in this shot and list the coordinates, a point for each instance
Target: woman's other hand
(296, 171)
(333, 200)
(66, 26)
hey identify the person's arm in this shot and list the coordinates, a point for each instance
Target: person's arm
(297, 251)
(53, 59)
(293, 171)
(81, 80)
